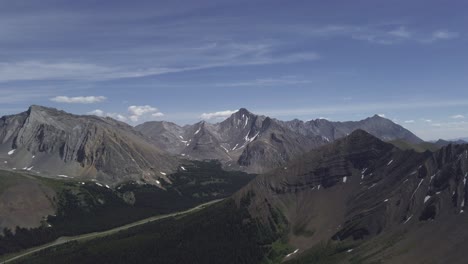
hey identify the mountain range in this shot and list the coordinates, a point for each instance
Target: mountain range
(54, 143)
(256, 143)
(356, 200)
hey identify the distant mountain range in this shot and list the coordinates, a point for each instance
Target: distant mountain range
(257, 143)
(55, 143)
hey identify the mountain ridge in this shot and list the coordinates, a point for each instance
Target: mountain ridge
(256, 143)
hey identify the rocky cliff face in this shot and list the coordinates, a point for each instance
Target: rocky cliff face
(52, 142)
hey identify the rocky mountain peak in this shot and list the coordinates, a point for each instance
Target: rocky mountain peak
(244, 111)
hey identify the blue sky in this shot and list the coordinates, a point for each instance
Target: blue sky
(186, 60)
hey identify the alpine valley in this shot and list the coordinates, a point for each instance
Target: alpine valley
(271, 191)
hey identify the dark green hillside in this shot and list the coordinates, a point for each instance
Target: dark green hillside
(221, 232)
(89, 207)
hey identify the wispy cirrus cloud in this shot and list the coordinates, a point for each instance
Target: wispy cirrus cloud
(78, 99)
(279, 81)
(445, 34)
(457, 116)
(185, 59)
(382, 33)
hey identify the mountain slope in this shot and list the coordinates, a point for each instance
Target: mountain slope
(52, 142)
(358, 200)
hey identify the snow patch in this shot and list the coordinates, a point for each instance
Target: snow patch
(98, 184)
(183, 168)
(432, 177)
(107, 186)
(158, 182)
(247, 139)
(390, 162)
(235, 147)
(290, 254)
(345, 178)
(386, 200)
(63, 176)
(407, 220)
(417, 188)
(318, 188)
(225, 149)
(30, 168)
(427, 198)
(163, 173)
(33, 156)
(350, 250)
(11, 152)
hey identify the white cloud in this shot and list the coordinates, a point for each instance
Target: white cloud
(280, 81)
(381, 115)
(99, 112)
(379, 34)
(409, 121)
(444, 34)
(138, 112)
(427, 120)
(215, 115)
(401, 32)
(159, 114)
(457, 117)
(78, 99)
